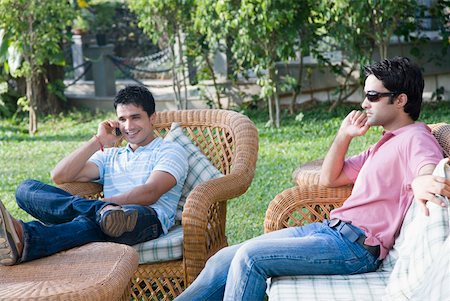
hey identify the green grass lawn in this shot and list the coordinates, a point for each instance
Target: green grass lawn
(280, 152)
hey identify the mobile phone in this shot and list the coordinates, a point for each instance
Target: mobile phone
(117, 132)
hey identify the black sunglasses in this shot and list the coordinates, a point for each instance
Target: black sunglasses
(374, 96)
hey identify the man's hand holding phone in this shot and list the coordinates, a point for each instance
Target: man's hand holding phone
(109, 133)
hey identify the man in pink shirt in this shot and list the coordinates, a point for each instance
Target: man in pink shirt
(387, 177)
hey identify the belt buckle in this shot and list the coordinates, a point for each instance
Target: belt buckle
(334, 222)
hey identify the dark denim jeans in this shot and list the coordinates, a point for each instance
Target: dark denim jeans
(66, 221)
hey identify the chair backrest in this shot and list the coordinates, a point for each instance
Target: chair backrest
(227, 138)
(223, 136)
(442, 133)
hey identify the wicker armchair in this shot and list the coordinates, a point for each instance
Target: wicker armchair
(230, 141)
(309, 202)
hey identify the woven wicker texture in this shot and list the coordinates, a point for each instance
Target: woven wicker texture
(230, 141)
(96, 271)
(442, 133)
(309, 202)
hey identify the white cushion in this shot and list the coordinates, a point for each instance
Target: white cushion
(200, 168)
(425, 240)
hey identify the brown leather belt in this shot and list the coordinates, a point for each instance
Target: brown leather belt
(347, 231)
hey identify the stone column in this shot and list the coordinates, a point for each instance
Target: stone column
(77, 55)
(103, 70)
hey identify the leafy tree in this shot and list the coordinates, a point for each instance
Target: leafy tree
(267, 33)
(210, 33)
(362, 29)
(37, 28)
(440, 12)
(164, 22)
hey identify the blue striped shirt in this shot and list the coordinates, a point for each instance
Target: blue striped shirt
(121, 169)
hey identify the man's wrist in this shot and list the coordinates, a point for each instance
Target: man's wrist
(102, 146)
(342, 135)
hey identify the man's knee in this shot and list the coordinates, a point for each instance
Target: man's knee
(24, 188)
(247, 253)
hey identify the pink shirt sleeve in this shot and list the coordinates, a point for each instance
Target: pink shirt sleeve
(353, 164)
(423, 150)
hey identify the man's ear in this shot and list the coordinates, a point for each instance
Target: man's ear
(401, 100)
(152, 118)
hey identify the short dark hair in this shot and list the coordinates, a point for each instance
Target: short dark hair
(136, 95)
(400, 75)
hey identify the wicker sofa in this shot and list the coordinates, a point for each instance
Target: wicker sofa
(229, 140)
(423, 245)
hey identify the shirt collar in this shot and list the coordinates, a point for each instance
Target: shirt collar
(140, 149)
(406, 128)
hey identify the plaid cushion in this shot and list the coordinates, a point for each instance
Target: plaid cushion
(438, 276)
(389, 261)
(425, 242)
(361, 287)
(200, 168)
(164, 248)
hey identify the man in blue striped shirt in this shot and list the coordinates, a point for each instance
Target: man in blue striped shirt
(142, 185)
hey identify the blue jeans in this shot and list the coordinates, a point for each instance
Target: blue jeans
(240, 272)
(66, 221)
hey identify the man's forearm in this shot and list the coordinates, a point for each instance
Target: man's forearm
(157, 184)
(334, 160)
(69, 168)
(140, 195)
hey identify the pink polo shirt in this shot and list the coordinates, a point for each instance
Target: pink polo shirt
(382, 175)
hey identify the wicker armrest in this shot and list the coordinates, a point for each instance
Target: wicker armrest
(87, 190)
(204, 218)
(300, 205)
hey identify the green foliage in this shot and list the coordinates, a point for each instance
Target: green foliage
(162, 20)
(103, 15)
(440, 11)
(359, 27)
(82, 22)
(268, 32)
(8, 95)
(38, 27)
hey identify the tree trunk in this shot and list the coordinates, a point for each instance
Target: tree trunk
(51, 101)
(32, 90)
(183, 69)
(277, 110)
(275, 96)
(231, 62)
(270, 102)
(342, 89)
(175, 82)
(383, 50)
(298, 89)
(213, 75)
